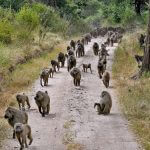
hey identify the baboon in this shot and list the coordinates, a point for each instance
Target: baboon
(76, 74)
(51, 72)
(106, 79)
(95, 48)
(23, 131)
(70, 53)
(73, 44)
(87, 38)
(71, 62)
(42, 100)
(105, 104)
(142, 39)
(80, 50)
(100, 68)
(61, 59)
(44, 76)
(83, 41)
(55, 64)
(139, 60)
(15, 116)
(22, 99)
(86, 66)
(68, 48)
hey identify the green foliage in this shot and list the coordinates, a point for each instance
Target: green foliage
(6, 31)
(28, 18)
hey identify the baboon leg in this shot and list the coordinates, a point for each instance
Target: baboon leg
(44, 82)
(30, 138)
(44, 112)
(90, 69)
(68, 69)
(27, 101)
(14, 134)
(48, 109)
(74, 81)
(25, 141)
(23, 105)
(40, 109)
(19, 105)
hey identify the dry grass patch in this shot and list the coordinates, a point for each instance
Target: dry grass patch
(134, 96)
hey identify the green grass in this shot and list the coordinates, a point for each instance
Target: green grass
(134, 96)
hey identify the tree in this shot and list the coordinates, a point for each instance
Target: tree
(146, 59)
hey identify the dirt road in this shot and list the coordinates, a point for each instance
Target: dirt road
(73, 123)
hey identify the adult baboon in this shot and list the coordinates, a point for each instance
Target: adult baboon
(106, 79)
(61, 59)
(87, 38)
(51, 72)
(23, 131)
(80, 50)
(83, 41)
(76, 74)
(42, 100)
(55, 64)
(95, 48)
(73, 44)
(22, 99)
(15, 116)
(71, 62)
(105, 104)
(86, 67)
(100, 68)
(44, 77)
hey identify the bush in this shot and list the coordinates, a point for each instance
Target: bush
(28, 18)
(6, 31)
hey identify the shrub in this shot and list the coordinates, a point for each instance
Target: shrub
(6, 31)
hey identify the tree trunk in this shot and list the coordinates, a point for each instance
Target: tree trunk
(146, 59)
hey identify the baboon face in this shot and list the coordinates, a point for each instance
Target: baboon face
(104, 93)
(8, 113)
(39, 96)
(18, 127)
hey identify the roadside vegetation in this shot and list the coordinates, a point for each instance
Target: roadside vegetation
(133, 94)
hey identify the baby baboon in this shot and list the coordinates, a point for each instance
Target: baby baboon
(15, 116)
(22, 99)
(142, 39)
(55, 64)
(68, 48)
(106, 78)
(105, 104)
(70, 53)
(71, 62)
(61, 59)
(100, 68)
(73, 44)
(51, 72)
(95, 48)
(139, 60)
(76, 74)
(23, 131)
(86, 66)
(44, 76)
(42, 100)
(83, 41)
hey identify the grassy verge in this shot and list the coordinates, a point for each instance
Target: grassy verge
(134, 96)
(22, 78)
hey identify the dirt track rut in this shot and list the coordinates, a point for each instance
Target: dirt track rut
(73, 120)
